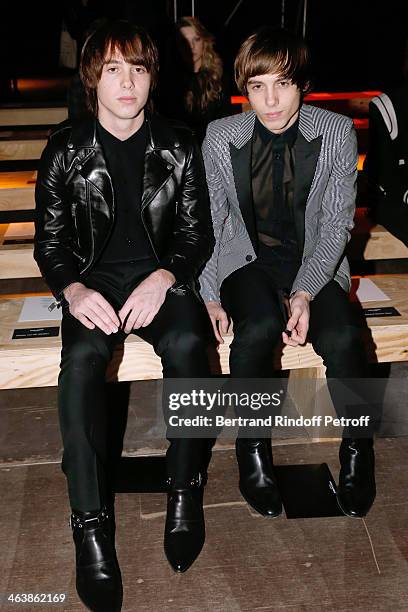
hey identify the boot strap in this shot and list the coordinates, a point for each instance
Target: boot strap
(195, 483)
(78, 521)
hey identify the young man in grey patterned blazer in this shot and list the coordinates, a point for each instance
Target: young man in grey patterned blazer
(282, 182)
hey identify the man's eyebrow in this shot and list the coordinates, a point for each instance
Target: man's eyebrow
(112, 61)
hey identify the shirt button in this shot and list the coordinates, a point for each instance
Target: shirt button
(169, 166)
(278, 156)
(248, 257)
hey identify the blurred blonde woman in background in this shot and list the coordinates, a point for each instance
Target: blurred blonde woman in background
(197, 92)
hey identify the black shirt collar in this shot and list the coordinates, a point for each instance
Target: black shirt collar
(286, 137)
(107, 137)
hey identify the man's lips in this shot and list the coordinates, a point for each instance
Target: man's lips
(273, 115)
(127, 99)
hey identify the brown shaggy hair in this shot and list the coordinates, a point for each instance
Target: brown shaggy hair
(131, 41)
(270, 50)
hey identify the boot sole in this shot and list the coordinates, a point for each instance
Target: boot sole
(257, 509)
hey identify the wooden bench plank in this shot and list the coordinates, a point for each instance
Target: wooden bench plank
(35, 362)
(19, 149)
(16, 261)
(33, 116)
(375, 242)
(17, 190)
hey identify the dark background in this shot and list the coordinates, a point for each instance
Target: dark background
(356, 44)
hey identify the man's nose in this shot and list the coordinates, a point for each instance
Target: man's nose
(271, 97)
(127, 79)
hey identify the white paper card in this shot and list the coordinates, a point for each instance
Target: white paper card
(365, 290)
(36, 309)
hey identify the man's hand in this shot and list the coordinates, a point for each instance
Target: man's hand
(91, 308)
(298, 322)
(145, 301)
(218, 314)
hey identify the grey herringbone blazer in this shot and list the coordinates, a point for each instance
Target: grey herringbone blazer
(325, 187)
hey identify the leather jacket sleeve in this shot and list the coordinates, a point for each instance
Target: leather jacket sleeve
(53, 222)
(193, 237)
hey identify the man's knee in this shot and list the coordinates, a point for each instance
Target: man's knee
(84, 357)
(182, 343)
(340, 342)
(257, 332)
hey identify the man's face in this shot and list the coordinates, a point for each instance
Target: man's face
(275, 100)
(122, 91)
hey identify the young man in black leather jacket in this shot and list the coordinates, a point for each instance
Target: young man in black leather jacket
(122, 229)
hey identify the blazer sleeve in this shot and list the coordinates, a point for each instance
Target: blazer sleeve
(219, 211)
(336, 221)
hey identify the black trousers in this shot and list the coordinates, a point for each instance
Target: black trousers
(250, 297)
(178, 334)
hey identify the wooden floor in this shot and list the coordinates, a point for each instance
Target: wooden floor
(248, 564)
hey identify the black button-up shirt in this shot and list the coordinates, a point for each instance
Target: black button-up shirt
(273, 184)
(125, 161)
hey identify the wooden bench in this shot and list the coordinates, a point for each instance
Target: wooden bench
(17, 190)
(22, 146)
(35, 362)
(33, 116)
(369, 242)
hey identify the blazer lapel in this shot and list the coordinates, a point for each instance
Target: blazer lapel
(241, 167)
(306, 154)
(240, 152)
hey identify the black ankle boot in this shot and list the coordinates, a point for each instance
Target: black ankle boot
(257, 481)
(98, 579)
(184, 533)
(356, 490)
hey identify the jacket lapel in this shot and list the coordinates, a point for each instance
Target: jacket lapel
(156, 173)
(241, 167)
(306, 154)
(156, 168)
(89, 160)
(240, 152)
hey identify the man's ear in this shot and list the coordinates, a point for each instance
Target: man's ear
(307, 88)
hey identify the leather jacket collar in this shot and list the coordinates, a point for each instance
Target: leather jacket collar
(161, 135)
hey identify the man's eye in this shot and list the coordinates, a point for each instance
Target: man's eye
(139, 69)
(255, 87)
(112, 69)
(284, 83)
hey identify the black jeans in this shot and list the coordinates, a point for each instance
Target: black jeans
(178, 334)
(250, 297)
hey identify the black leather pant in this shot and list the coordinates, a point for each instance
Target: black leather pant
(178, 334)
(250, 297)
